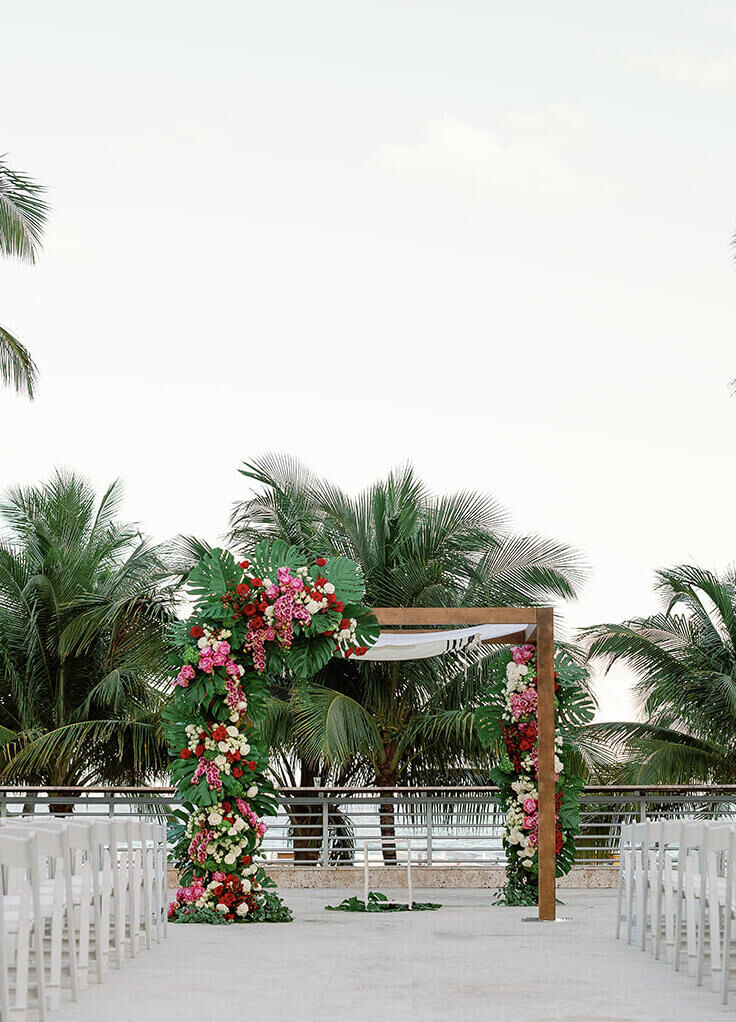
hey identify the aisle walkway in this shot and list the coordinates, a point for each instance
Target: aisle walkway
(464, 963)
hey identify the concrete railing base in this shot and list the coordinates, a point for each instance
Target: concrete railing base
(381, 877)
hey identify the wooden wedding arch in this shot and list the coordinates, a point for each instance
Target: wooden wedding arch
(523, 624)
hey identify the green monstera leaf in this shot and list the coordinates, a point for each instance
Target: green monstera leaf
(367, 628)
(346, 577)
(208, 579)
(269, 556)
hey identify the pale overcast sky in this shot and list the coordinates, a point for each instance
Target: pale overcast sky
(491, 238)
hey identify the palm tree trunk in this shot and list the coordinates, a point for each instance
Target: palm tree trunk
(387, 779)
(306, 820)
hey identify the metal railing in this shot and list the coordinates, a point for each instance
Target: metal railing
(446, 826)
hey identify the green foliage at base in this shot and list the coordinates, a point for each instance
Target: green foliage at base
(378, 902)
(271, 909)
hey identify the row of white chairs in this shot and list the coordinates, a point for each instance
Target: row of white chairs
(677, 895)
(78, 897)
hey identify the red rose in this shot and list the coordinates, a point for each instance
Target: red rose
(340, 607)
(244, 564)
(252, 764)
(262, 606)
(257, 621)
(256, 582)
(559, 843)
(196, 632)
(320, 581)
(246, 860)
(243, 589)
(344, 623)
(331, 598)
(321, 561)
(349, 651)
(199, 751)
(361, 650)
(226, 807)
(237, 773)
(185, 754)
(219, 733)
(249, 609)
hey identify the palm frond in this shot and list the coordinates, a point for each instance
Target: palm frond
(17, 368)
(23, 214)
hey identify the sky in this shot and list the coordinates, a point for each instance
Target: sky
(489, 238)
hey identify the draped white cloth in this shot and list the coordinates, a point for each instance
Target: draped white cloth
(420, 645)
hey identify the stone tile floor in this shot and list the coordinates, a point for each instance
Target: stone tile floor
(468, 961)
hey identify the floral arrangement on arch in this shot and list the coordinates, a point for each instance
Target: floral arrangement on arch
(272, 612)
(508, 722)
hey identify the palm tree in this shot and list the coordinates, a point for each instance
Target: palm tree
(685, 660)
(84, 606)
(22, 218)
(403, 722)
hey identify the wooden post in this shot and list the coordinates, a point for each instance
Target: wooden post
(546, 769)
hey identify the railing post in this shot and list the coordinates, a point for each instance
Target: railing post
(430, 805)
(325, 832)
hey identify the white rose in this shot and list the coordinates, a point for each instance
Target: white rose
(230, 858)
(328, 587)
(242, 909)
(211, 849)
(222, 908)
(312, 607)
(214, 819)
(232, 731)
(234, 717)
(223, 746)
(220, 761)
(252, 869)
(204, 641)
(252, 792)
(246, 885)
(240, 824)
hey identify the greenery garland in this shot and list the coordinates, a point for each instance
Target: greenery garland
(272, 612)
(508, 722)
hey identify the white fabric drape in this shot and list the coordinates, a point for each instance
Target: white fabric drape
(420, 645)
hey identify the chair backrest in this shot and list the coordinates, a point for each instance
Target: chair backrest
(19, 850)
(717, 837)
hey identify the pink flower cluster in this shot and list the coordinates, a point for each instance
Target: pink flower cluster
(234, 694)
(185, 675)
(523, 703)
(187, 894)
(213, 656)
(247, 813)
(198, 845)
(207, 768)
(523, 654)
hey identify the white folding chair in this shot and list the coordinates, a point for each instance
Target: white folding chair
(19, 918)
(632, 881)
(665, 834)
(56, 904)
(728, 917)
(692, 838)
(712, 899)
(624, 876)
